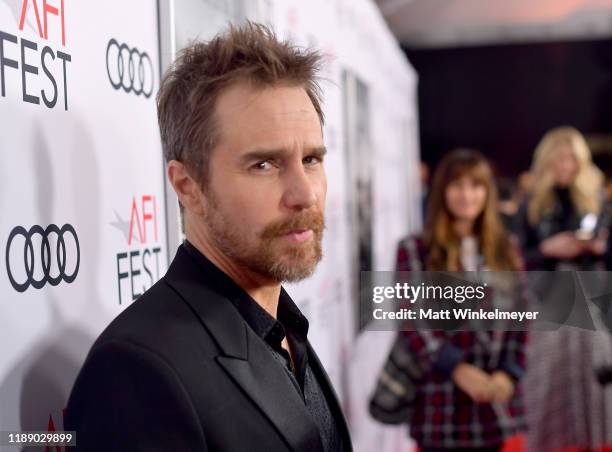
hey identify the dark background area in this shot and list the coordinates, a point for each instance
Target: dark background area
(501, 99)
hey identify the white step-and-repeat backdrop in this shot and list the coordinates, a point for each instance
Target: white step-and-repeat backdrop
(82, 197)
(87, 222)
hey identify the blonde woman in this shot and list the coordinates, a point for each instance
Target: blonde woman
(562, 226)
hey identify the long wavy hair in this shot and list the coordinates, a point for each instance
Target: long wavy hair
(441, 240)
(584, 189)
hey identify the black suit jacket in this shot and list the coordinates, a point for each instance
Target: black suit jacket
(180, 370)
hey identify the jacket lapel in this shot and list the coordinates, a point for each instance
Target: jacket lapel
(263, 379)
(245, 357)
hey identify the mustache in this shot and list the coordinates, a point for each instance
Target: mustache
(304, 220)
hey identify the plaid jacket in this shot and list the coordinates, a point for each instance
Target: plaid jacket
(415, 385)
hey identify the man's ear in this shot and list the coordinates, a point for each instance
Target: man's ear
(187, 189)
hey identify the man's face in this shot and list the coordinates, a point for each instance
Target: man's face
(265, 196)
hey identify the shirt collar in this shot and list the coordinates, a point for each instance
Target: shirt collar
(263, 324)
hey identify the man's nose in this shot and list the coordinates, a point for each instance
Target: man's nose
(300, 190)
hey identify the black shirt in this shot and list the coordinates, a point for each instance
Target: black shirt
(292, 324)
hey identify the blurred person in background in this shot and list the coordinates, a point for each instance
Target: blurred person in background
(456, 390)
(512, 194)
(524, 182)
(508, 205)
(562, 226)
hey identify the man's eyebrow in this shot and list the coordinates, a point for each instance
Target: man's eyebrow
(262, 154)
(275, 154)
(318, 151)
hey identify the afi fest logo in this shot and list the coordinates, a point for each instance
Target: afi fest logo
(138, 266)
(35, 68)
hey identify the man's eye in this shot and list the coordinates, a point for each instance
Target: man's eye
(265, 165)
(311, 160)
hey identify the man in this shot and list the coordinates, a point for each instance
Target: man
(215, 356)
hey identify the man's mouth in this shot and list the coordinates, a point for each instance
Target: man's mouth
(298, 236)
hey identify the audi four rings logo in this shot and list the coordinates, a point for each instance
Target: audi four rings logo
(62, 259)
(129, 68)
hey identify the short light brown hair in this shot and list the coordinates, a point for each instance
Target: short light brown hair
(190, 88)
